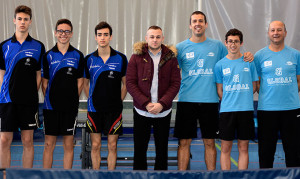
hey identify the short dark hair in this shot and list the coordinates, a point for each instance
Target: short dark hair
(64, 21)
(197, 13)
(154, 27)
(24, 9)
(234, 32)
(103, 25)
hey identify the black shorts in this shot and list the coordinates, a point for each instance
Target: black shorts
(187, 116)
(59, 122)
(108, 123)
(14, 116)
(239, 123)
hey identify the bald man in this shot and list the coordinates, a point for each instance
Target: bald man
(278, 68)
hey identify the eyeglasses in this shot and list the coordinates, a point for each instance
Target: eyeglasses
(60, 32)
(233, 41)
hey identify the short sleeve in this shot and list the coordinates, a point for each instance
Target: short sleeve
(80, 69)
(218, 77)
(2, 59)
(45, 66)
(86, 73)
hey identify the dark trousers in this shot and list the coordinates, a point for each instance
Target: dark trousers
(269, 124)
(141, 133)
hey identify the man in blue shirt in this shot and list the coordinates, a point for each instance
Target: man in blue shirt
(278, 68)
(198, 98)
(62, 82)
(236, 83)
(105, 87)
(20, 77)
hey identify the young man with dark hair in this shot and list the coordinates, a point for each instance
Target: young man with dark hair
(198, 99)
(153, 80)
(236, 83)
(278, 68)
(105, 87)
(62, 82)
(20, 78)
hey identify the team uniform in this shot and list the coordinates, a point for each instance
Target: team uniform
(278, 104)
(236, 110)
(104, 102)
(61, 96)
(19, 93)
(198, 98)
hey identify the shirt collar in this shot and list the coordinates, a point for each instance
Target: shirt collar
(14, 38)
(112, 52)
(55, 48)
(151, 54)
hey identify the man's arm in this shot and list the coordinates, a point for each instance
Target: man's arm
(248, 57)
(44, 85)
(298, 81)
(38, 79)
(254, 84)
(258, 84)
(220, 90)
(174, 84)
(132, 83)
(86, 86)
(80, 85)
(124, 89)
(2, 72)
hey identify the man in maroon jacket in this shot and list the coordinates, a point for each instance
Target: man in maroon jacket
(153, 80)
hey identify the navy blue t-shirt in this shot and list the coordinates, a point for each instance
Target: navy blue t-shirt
(20, 62)
(105, 81)
(62, 71)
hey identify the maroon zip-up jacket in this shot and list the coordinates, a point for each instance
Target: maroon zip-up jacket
(140, 74)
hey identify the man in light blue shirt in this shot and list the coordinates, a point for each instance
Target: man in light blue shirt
(278, 68)
(198, 98)
(236, 83)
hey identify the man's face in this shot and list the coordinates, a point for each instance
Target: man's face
(277, 32)
(154, 38)
(233, 44)
(63, 33)
(198, 25)
(103, 37)
(22, 22)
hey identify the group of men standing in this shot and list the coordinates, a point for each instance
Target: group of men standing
(210, 71)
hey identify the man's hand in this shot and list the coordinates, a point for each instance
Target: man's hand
(154, 108)
(248, 57)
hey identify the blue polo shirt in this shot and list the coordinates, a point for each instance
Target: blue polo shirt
(20, 62)
(105, 81)
(62, 71)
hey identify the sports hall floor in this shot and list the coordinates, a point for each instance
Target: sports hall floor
(125, 149)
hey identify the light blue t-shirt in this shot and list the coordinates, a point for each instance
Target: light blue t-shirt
(237, 77)
(278, 84)
(197, 61)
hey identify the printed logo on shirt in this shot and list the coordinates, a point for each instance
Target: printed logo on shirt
(55, 61)
(200, 62)
(69, 71)
(111, 74)
(246, 69)
(226, 71)
(27, 62)
(289, 63)
(28, 54)
(278, 71)
(211, 54)
(189, 55)
(236, 78)
(268, 63)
